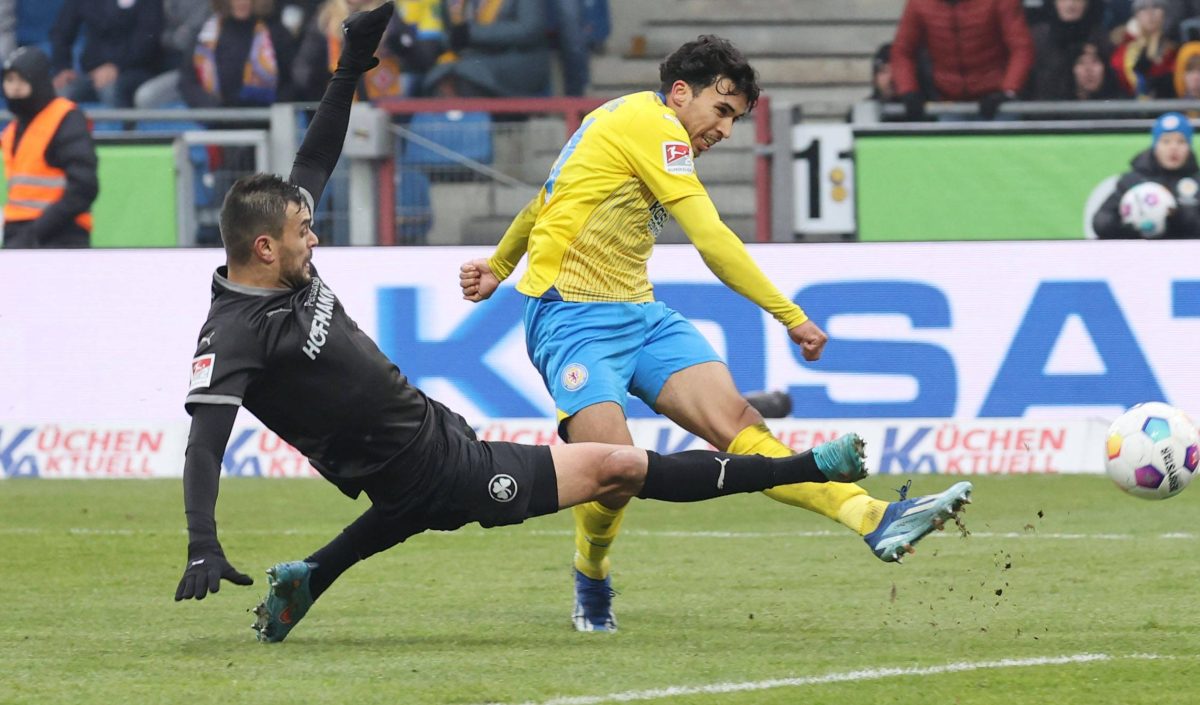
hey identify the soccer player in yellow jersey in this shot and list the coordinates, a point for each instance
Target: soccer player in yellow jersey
(596, 334)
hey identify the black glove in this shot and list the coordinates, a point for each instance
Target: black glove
(914, 106)
(460, 36)
(989, 105)
(206, 568)
(362, 31)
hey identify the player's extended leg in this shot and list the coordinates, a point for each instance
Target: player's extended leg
(590, 471)
(596, 523)
(703, 399)
(294, 586)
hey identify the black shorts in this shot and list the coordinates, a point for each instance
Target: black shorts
(448, 479)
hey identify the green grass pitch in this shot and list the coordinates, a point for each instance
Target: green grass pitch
(1067, 592)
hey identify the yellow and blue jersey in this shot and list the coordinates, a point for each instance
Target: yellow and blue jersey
(592, 326)
(601, 207)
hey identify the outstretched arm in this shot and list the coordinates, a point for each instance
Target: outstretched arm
(206, 564)
(727, 257)
(322, 144)
(479, 278)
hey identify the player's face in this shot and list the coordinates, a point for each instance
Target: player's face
(1171, 150)
(295, 248)
(707, 115)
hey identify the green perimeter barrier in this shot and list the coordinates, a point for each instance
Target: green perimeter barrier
(136, 205)
(983, 187)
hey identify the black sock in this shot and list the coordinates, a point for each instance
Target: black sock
(332, 559)
(369, 534)
(695, 475)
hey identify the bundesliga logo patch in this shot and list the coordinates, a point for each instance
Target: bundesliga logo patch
(677, 158)
(202, 371)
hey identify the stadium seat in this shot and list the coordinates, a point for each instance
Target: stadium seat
(465, 134)
(414, 213)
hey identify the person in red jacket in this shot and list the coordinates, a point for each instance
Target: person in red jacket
(980, 50)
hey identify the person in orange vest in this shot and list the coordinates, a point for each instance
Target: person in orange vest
(49, 160)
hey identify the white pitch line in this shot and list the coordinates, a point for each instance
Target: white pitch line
(844, 677)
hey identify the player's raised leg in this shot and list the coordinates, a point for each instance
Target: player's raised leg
(703, 400)
(909, 520)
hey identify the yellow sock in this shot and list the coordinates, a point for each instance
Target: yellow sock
(596, 527)
(841, 501)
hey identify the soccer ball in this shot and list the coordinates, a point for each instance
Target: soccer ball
(1153, 451)
(1146, 207)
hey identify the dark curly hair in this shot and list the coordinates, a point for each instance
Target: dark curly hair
(702, 62)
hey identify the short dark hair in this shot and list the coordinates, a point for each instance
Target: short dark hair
(255, 204)
(702, 62)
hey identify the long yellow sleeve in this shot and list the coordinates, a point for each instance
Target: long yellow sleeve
(513, 245)
(727, 257)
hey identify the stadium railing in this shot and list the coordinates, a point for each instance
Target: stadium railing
(449, 171)
(869, 112)
(211, 148)
(462, 168)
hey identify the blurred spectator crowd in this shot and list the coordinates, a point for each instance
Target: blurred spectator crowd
(62, 57)
(988, 52)
(236, 53)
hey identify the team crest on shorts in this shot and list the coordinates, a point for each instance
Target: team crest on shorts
(502, 488)
(574, 376)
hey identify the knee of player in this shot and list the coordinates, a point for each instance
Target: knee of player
(732, 424)
(748, 416)
(624, 470)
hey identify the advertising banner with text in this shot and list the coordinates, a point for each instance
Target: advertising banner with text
(924, 446)
(1045, 332)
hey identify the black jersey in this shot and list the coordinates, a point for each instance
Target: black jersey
(305, 369)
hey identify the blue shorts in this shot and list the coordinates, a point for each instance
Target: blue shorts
(596, 352)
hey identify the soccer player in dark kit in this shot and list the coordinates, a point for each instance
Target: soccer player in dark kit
(278, 342)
